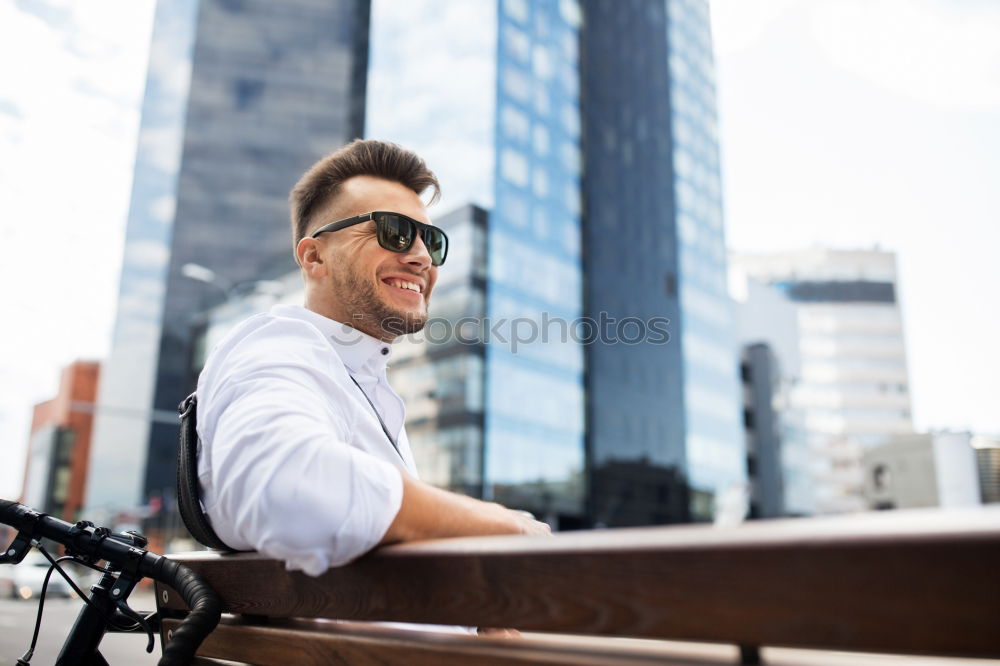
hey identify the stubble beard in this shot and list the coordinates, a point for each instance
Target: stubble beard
(370, 313)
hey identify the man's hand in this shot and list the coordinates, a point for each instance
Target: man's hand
(530, 525)
(428, 512)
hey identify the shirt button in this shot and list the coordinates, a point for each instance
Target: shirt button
(385, 351)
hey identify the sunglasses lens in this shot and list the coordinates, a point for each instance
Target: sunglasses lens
(437, 244)
(394, 233)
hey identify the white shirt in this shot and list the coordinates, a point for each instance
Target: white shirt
(294, 462)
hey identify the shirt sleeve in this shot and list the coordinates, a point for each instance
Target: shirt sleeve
(280, 476)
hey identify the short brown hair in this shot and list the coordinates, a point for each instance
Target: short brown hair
(367, 157)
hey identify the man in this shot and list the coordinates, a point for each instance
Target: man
(304, 456)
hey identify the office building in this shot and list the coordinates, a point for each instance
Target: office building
(55, 473)
(654, 246)
(761, 375)
(241, 98)
(988, 465)
(921, 470)
(854, 387)
(779, 463)
(598, 165)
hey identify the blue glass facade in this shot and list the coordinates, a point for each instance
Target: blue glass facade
(601, 181)
(665, 416)
(534, 423)
(636, 419)
(714, 437)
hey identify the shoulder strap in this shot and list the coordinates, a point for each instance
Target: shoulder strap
(381, 421)
(188, 490)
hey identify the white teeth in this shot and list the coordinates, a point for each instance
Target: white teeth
(405, 285)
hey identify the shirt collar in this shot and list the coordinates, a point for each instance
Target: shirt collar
(356, 349)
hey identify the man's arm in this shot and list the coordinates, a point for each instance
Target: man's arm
(428, 512)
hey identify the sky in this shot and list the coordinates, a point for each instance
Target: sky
(70, 91)
(863, 123)
(843, 123)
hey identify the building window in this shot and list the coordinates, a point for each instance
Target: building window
(540, 183)
(514, 167)
(569, 10)
(518, 43)
(516, 10)
(569, 153)
(248, 93)
(542, 63)
(514, 123)
(542, 102)
(516, 84)
(540, 140)
(515, 209)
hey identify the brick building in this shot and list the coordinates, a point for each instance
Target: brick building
(55, 474)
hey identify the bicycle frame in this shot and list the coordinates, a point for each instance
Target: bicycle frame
(82, 643)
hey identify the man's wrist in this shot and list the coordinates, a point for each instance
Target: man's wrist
(427, 512)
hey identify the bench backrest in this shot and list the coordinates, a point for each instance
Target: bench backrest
(914, 582)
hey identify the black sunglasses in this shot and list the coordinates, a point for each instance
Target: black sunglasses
(395, 232)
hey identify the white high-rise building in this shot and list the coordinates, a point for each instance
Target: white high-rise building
(854, 387)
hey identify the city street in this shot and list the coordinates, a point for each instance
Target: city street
(17, 621)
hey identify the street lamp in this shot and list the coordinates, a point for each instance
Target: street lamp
(199, 273)
(231, 289)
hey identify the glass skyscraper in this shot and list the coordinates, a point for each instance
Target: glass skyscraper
(587, 130)
(242, 96)
(654, 247)
(534, 429)
(713, 438)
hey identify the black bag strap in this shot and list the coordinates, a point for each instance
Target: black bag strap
(188, 490)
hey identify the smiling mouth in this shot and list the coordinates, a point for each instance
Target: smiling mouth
(404, 285)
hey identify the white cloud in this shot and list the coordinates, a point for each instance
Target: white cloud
(946, 54)
(75, 77)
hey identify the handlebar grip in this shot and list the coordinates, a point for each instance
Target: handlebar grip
(205, 605)
(9, 514)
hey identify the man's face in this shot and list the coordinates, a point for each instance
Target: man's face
(382, 293)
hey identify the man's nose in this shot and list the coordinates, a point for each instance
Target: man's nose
(418, 253)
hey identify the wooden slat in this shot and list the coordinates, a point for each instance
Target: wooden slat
(908, 582)
(320, 643)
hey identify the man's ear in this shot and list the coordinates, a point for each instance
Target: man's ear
(308, 254)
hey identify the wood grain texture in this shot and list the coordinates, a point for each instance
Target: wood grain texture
(906, 582)
(305, 643)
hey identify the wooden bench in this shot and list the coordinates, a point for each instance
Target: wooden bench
(914, 582)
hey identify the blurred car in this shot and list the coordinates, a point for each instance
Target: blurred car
(24, 580)
(7, 589)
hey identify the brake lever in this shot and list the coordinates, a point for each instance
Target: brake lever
(24, 540)
(124, 609)
(16, 550)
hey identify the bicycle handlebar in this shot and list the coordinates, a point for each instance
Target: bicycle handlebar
(98, 543)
